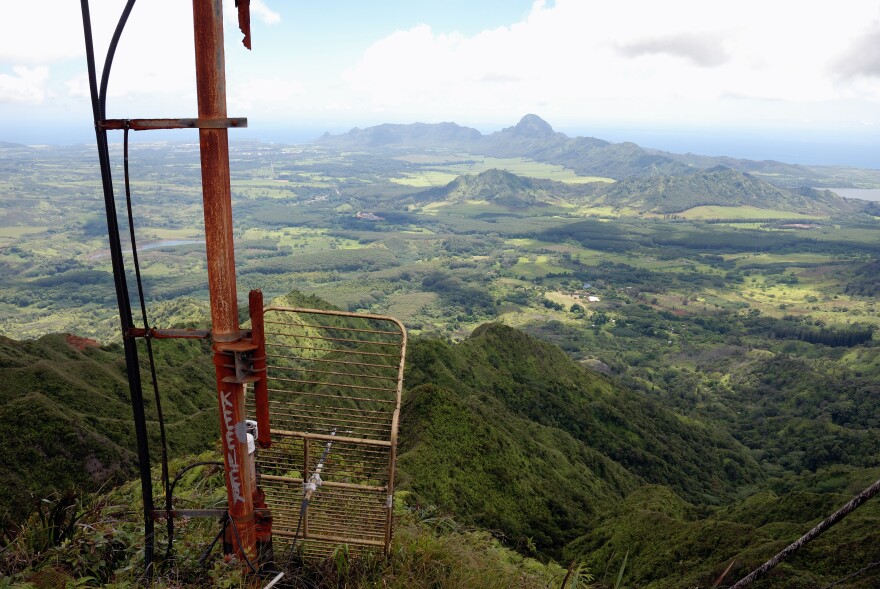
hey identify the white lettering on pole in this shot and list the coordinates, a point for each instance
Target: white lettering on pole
(231, 454)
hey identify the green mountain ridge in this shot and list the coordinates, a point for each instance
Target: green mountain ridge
(65, 403)
(504, 431)
(656, 194)
(672, 544)
(534, 138)
(529, 397)
(721, 187)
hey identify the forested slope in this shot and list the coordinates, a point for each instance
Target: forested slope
(524, 439)
(505, 432)
(64, 405)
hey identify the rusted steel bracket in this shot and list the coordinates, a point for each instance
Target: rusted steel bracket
(244, 20)
(242, 352)
(154, 124)
(168, 333)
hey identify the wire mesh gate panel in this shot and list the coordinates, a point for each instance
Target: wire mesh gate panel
(334, 382)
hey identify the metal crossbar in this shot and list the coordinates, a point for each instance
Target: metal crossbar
(328, 416)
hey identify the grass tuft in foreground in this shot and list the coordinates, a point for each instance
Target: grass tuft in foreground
(97, 541)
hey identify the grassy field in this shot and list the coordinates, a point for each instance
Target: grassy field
(744, 212)
(288, 223)
(532, 267)
(477, 164)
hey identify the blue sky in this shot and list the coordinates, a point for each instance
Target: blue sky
(790, 71)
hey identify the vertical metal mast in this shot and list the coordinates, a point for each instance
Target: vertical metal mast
(217, 197)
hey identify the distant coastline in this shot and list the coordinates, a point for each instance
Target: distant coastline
(862, 193)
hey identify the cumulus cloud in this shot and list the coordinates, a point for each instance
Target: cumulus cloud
(265, 94)
(568, 60)
(78, 86)
(614, 59)
(862, 58)
(154, 63)
(25, 86)
(264, 13)
(700, 49)
(259, 11)
(36, 34)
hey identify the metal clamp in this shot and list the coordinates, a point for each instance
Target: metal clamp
(242, 352)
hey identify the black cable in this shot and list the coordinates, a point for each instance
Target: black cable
(122, 296)
(855, 574)
(226, 520)
(171, 494)
(241, 547)
(288, 562)
(192, 466)
(152, 361)
(222, 531)
(111, 52)
(302, 512)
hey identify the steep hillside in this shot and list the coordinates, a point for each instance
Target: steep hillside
(501, 430)
(526, 440)
(64, 405)
(671, 544)
(105, 549)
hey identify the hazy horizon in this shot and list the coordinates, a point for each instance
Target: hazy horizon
(796, 86)
(790, 146)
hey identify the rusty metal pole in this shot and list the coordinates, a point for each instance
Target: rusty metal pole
(217, 197)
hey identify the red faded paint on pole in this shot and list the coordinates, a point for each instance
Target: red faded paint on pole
(217, 197)
(261, 387)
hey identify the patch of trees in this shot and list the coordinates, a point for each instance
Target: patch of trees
(592, 234)
(454, 293)
(76, 278)
(788, 408)
(723, 239)
(553, 305)
(470, 246)
(341, 260)
(793, 328)
(865, 281)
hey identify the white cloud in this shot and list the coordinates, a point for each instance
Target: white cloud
(268, 16)
(629, 59)
(264, 94)
(26, 85)
(78, 86)
(861, 59)
(701, 49)
(259, 11)
(677, 62)
(153, 72)
(40, 32)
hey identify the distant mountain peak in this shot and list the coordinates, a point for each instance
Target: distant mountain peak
(497, 186)
(499, 175)
(533, 125)
(491, 185)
